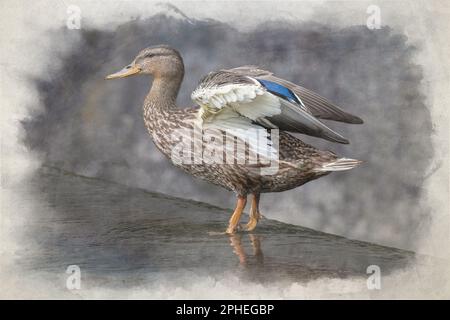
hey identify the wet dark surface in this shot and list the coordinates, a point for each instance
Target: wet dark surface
(110, 230)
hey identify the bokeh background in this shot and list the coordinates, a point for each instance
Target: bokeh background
(95, 128)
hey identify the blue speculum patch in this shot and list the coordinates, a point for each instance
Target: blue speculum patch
(279, 90)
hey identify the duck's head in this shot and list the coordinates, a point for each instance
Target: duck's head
(159, 61)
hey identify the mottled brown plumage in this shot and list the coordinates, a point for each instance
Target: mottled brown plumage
(298, 162)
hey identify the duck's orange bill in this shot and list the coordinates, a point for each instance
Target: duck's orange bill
(125, 72)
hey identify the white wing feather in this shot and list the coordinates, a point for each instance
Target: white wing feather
(232, 108)
(249, 100)
(235, 125)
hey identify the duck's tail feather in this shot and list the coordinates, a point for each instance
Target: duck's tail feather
(340, 164)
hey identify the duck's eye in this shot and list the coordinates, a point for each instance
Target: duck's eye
(150, 55)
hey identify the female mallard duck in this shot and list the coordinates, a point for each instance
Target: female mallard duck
(238, 101)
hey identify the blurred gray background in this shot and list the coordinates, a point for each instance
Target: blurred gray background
(95, 128)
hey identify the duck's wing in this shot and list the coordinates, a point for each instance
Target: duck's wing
(235, 100)
(317, 105)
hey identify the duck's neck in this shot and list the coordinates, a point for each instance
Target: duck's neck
(161, 99)
(163, 93)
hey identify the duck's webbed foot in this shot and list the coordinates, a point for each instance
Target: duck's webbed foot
(255, 216)
(251, 224)
(234, 220)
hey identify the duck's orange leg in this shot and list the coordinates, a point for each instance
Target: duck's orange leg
(234, 220)
(254, 213)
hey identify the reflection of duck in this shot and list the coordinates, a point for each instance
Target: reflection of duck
(238, 249)
(235, 101)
